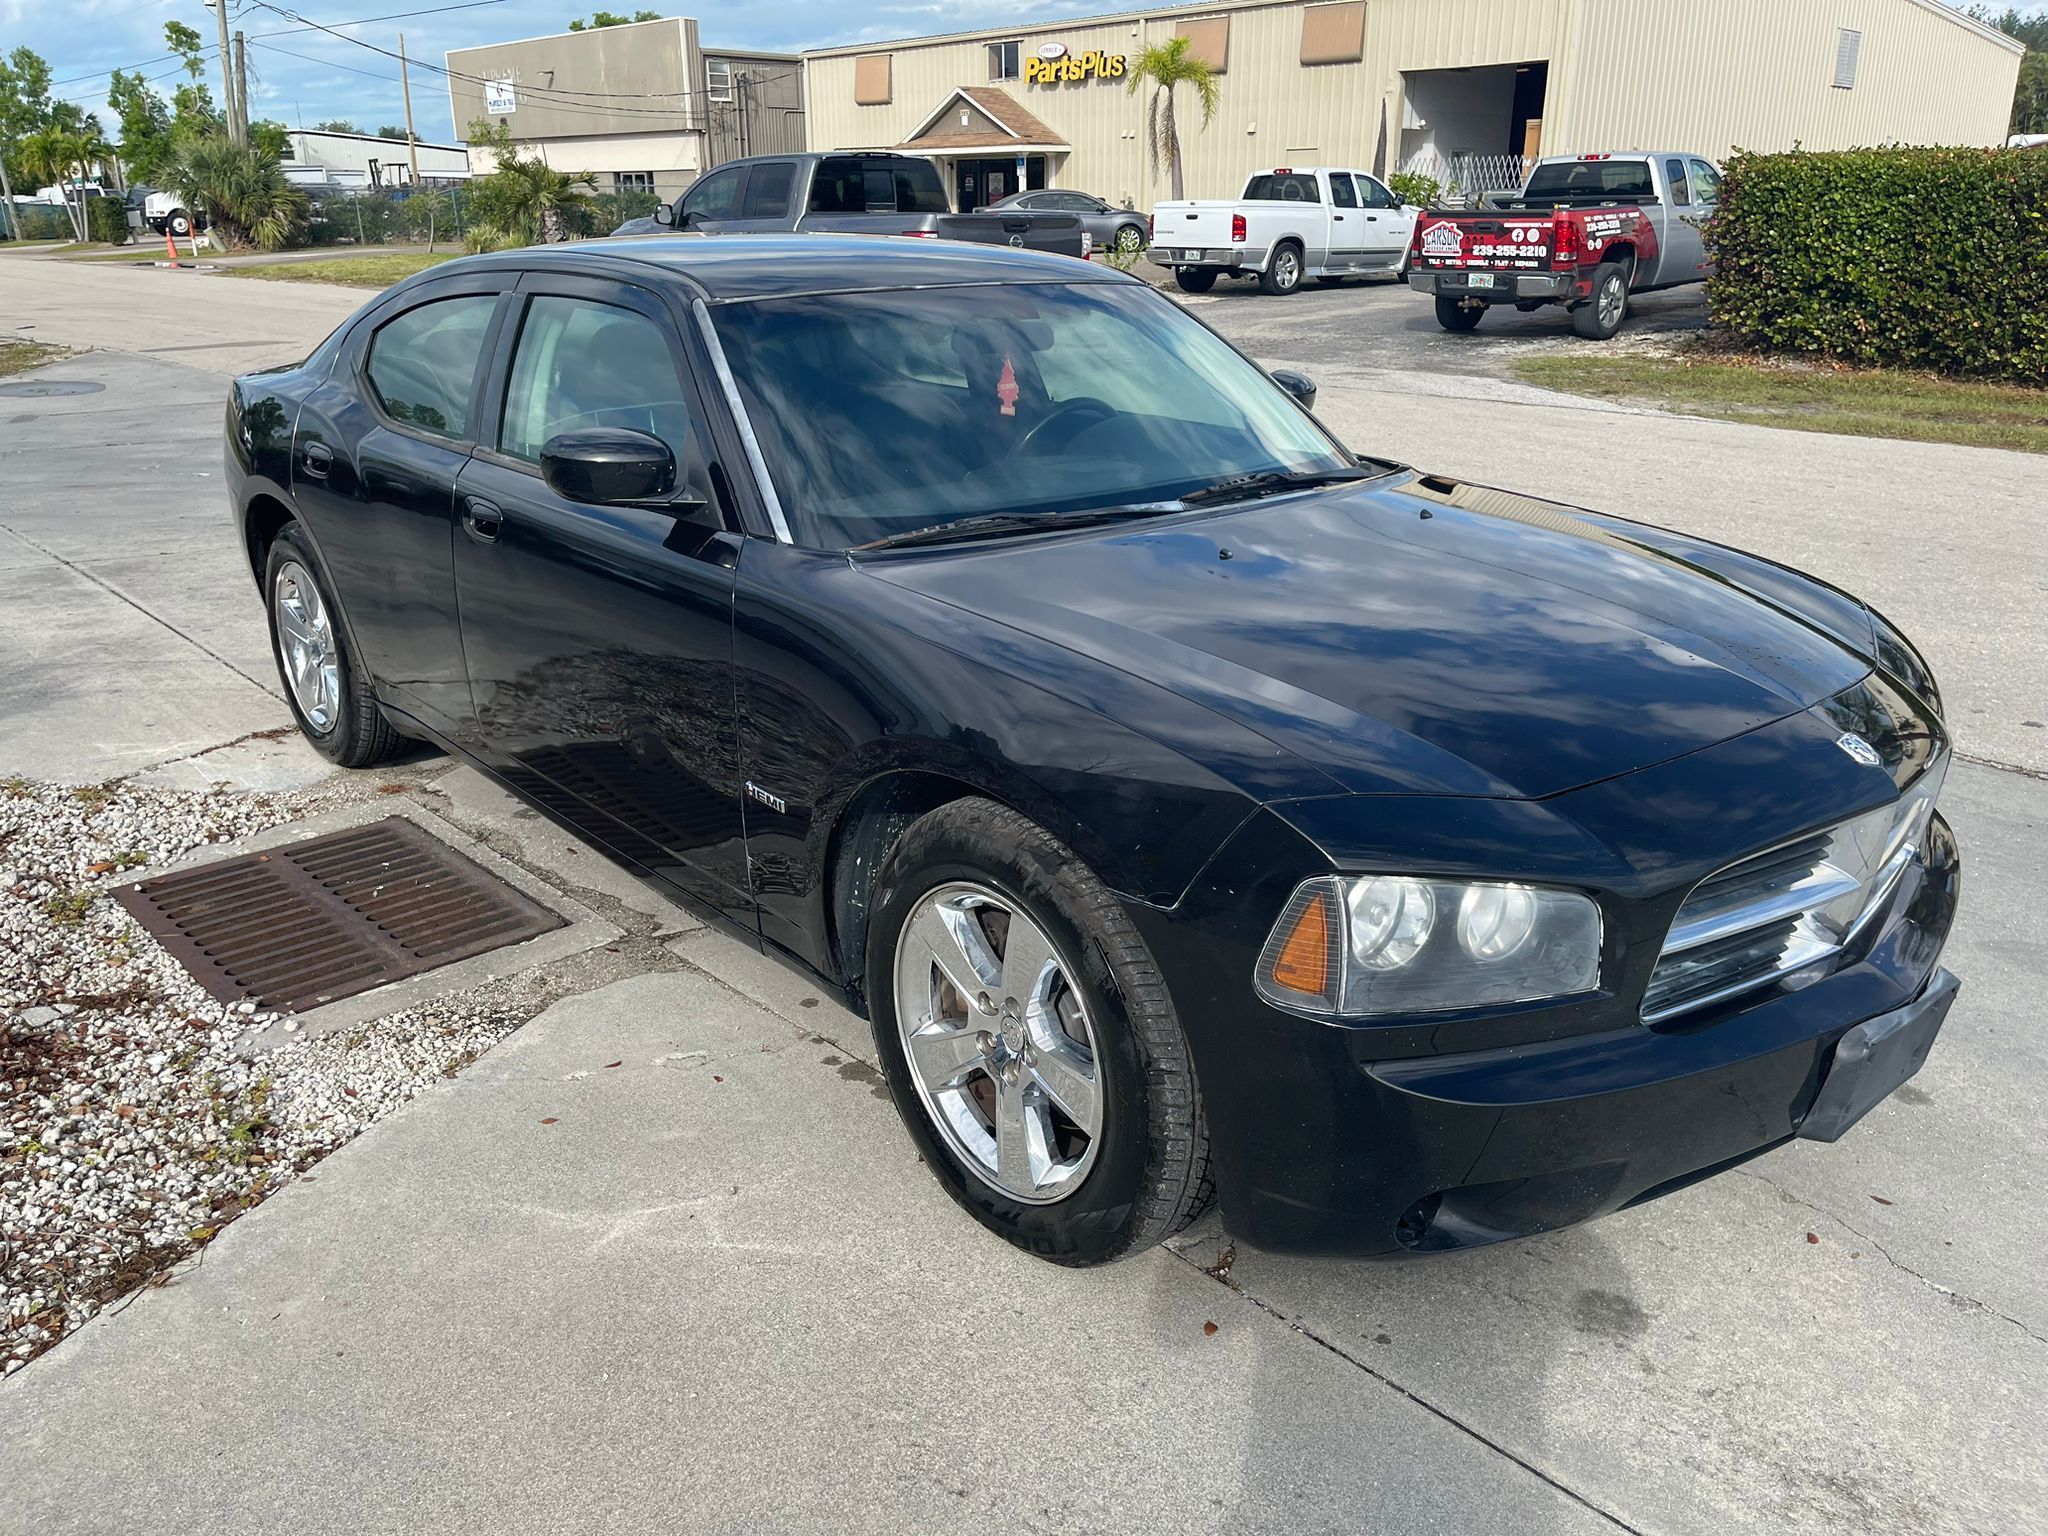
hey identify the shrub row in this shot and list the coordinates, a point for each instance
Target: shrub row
(1905, 258)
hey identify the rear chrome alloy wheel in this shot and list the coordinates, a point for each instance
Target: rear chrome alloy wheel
(306, 645)
(999, 1043)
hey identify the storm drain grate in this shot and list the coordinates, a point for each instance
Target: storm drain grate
(295, 927)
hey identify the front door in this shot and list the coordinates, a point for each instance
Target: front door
(1388, 226)
(599, 638)
(1682, 255)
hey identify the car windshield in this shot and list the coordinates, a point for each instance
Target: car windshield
(883, 413)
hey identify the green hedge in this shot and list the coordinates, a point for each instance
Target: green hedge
(1905, 258)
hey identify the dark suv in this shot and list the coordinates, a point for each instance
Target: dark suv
(867, 194)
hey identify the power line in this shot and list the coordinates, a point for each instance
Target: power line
(467, 5)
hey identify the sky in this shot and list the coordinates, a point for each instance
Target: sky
(301, 74)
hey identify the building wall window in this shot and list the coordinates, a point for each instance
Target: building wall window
(718, 77)
(632, 181)
(1003, 63)
(871, 84)
(1848, 49)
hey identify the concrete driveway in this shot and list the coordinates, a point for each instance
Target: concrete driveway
(712, 1289)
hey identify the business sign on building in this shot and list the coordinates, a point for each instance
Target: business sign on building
(499, 97)
(1054, 65)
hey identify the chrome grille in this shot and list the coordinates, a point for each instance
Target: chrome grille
(1789, 908)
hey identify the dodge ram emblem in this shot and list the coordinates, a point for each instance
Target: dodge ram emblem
(1859, 749)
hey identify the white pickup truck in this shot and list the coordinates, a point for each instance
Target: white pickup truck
(1292, 222)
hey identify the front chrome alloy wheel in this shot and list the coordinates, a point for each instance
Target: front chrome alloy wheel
(306, 645)
(999, 1043)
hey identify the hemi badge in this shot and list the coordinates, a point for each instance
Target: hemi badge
(773, 802)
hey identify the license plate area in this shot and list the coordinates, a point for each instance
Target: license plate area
(1478, 279)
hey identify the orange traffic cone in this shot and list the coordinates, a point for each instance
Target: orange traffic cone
(170, 245)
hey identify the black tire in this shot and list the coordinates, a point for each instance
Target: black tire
(1193, 279)
(179, 224)
(1453, 315)
(1129, 239)
(1602, 315)
(358, 736)
(1283, 269)
(1150, 1174)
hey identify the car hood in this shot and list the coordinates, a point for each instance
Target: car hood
(1416, 636)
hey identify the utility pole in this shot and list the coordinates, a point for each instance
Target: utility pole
(242, 86)
(412, 140)
(227, 70)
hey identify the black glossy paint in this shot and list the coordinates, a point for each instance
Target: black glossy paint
(1404, 673)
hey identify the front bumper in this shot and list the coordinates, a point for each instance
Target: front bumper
(1505, 287)
(1363, 1140)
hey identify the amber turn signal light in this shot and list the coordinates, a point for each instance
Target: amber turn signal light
(1303, 964)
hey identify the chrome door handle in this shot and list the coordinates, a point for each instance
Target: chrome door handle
(481, 520)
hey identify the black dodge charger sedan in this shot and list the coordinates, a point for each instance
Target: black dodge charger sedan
(1196, 808)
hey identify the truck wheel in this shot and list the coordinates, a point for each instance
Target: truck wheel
(179, 223)
(1601, 315)
(1454, 316)
(1283, 272)
(1028, 1040)
(1193, 279)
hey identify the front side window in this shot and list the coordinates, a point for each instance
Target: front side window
(580, 363)
(714, 197)
(1003, 60)
(768, 190)
(423, 364)
(1706, 181)
(879, 413)
(1374, 195)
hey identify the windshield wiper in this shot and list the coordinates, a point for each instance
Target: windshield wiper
(1267, 482)
(993, 525)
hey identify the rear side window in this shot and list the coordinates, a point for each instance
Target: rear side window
(1674, 172)
(1341, 193)
(584, 364)
(1294, 187)
(768, 190)
(423, 364)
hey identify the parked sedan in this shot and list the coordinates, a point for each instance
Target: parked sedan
(1123, 230)
(1196, 808)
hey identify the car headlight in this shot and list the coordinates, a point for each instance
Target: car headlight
(1350, 947)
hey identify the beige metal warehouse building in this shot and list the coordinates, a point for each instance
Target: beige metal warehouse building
(1463, 89)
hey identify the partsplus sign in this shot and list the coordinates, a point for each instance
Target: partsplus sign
(1054, 65)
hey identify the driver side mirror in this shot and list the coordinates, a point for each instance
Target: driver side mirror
(1299, 385)
(615, 467)
(664, 215)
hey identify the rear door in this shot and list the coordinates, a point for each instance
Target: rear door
(765, 200)
(375, 456)
(599, 638)
(1682, 251)
(1347, 224)
(1388, 225)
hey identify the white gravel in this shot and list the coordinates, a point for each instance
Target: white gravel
(130, 1128)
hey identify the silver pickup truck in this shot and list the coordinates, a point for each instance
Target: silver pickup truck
(850, 194)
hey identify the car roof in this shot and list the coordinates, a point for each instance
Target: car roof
(726, 268)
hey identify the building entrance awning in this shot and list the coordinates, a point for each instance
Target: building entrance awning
(983, 120)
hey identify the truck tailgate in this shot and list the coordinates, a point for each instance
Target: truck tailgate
(1203, 225)
(1058, 233)
(1487, 241)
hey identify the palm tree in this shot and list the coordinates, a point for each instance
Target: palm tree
(48, 154)
(542, 200)
(1166, 65)
(242, 192)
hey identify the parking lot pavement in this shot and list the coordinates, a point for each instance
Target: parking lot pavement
(701, 1304)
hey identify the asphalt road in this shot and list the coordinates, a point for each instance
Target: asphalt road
(730, 1299)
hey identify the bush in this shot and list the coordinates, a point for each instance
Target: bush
(1414, 187)
(106, 220)
(1905, 258)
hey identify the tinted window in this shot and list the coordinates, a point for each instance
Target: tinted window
(1592, 179)
(1706, 182)
(1067, 202)
(882, 412)
(1341, 193)
(849, 184)
(768, 190)
(584, 364)
(1296, 187)
(714, 196)
(423, 364)
(1373, 195)
(1674, 172)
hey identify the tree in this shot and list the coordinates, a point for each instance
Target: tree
(242, 192)
(24, 108)
(2030, 100)
(524, 196)
(611, 19)
(188, 45)
(1165, 66)
(269, 138)
(388, 132)
(336, 125)
(145, 121)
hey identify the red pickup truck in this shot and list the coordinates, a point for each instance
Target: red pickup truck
(1586, 232)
